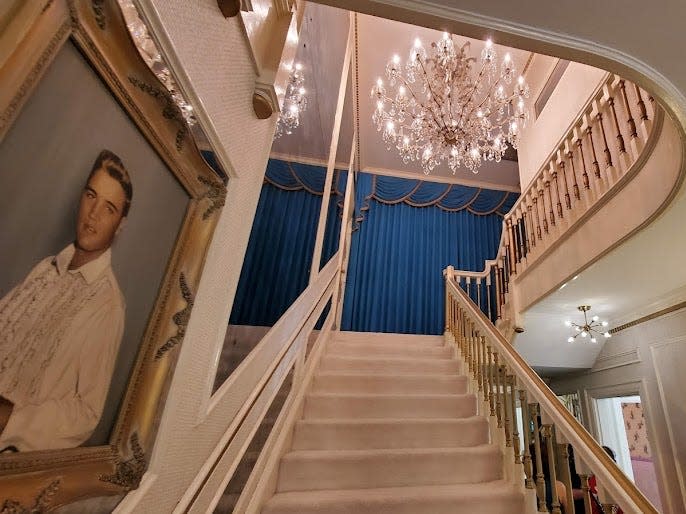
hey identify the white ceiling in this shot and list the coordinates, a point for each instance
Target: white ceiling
(641, 276)
(321, 50)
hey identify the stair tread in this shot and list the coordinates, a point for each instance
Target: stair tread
(396, 495)
(389, 421)
(390, 376)
(391, 395)
(480, 449)
(383, 358)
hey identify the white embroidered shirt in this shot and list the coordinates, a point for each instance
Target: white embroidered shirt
(60, 331)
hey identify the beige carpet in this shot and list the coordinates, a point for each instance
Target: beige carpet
(389, 427)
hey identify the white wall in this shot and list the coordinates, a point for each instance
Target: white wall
(576, 86)
(215, 55)
(649, 359)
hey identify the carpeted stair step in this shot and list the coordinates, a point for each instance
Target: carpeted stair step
(356, 469)
(352, 434)
(497, 497)
(383, 338)
(327, 405)
(388, 365)
(420, 351)
(351, 382)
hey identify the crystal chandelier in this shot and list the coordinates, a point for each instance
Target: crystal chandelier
(594, 328)
(443, 108)
(294, 103)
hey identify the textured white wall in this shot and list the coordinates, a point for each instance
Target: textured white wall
(215, 56)
(653, 355)
(543, 134)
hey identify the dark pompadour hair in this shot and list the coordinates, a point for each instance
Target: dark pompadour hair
(113, 165)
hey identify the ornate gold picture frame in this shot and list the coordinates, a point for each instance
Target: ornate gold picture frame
(32, 32)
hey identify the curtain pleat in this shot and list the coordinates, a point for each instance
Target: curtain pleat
(395, 281)
(277, 262)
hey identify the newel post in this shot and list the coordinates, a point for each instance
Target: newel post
(448, 274)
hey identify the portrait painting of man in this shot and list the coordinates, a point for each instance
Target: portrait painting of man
(61, 327)
(82, 262)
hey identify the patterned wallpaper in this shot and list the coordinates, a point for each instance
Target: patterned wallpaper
(636, 432)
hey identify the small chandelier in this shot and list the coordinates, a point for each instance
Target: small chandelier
(294, 103)
(442, 109)
(594, 328)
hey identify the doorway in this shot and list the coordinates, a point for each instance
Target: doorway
(622, 428)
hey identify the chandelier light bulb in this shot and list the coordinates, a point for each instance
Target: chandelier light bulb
(489, 43)
(604, 323)
(607, 335)
(584, 333)
(577, 329)
(298, 66)
(594, 340)
(595, 318)
(570, 339)
(452, 107)
(520, 81)
(568, 323)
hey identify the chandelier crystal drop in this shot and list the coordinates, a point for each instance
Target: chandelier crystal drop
(294, 103)
(443, 106)
(593, 329)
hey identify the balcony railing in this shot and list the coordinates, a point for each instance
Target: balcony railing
(595, 158)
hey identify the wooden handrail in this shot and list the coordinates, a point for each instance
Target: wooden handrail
(570, 185)
(610, 477)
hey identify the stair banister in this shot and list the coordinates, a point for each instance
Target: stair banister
(571, 183)
(468, 322)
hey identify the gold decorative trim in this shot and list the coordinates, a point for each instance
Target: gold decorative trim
(99, 13)
(215, 193)
(170, 110)
(118, 466)
(180, 319)
(46, 57)
(128, 473)
(40, 504)
(648, 317)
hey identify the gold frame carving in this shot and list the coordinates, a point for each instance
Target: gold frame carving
(44, 480)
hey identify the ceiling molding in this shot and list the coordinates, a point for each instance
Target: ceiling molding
(413, 175)
(339, 165)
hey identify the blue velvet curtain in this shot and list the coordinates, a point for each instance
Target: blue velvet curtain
(399, 250)
(277, 262)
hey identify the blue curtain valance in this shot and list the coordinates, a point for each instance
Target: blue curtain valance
(293, 176)
(448, 197)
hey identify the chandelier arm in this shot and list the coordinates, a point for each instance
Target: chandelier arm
(471, 93)
(433, 97)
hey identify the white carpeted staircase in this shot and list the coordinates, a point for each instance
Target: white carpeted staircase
(389, 427)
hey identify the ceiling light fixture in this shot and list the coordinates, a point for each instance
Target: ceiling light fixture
(442, 109)
(593, 329)
(294, 102)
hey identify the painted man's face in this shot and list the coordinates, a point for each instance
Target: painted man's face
(100, 212)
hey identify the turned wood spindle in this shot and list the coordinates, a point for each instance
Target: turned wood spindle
(546, 184)
(526, 457)
(584, 175)
(568, 199)
(543, 214)
(498, 399)
(552, 472)
(515, 428)
(491, 399)
(606, 151)
(587, 494)
(641, 103)
(532, 239)
(630, 120)
(538, 218)
(620, 137)
(575, 186)
(525, 231)
(596, 166)
(507, 418)
(540, 481)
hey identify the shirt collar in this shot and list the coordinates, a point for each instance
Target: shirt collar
(89, 271)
